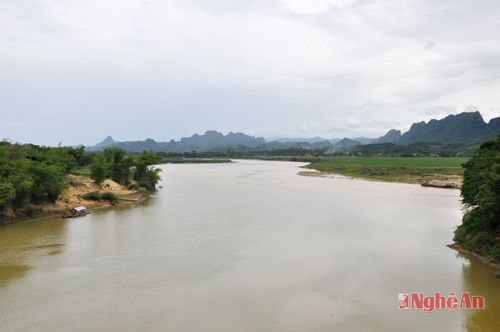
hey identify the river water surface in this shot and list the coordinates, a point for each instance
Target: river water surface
(247, 246)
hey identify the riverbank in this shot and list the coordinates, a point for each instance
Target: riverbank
(467, 253)
(427, 171)
(73, 195)
(447, 183)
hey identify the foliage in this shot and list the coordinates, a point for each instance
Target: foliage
(33, 174)
(119, 165)
(99, 170)
(81, 170)
(480, 229)
(98, 196)
(122, 168)
(92, 196)
(7, 193)
(412, 150)
(145, 175)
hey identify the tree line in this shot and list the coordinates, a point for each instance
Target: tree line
(480, 228)
(32, 174)
(113, 163)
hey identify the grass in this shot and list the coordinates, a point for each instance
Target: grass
(393, 169)
(81, 171)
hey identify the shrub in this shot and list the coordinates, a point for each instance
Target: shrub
(109, 196)
(134, 186)
(97, 196)
(93, 196)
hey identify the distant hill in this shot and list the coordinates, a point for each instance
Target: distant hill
(463, 132)
(363, 140)
(210, 140)
(344, 144)
(107, 142)
(276, 145)
(467, 127)
(305, 140)
(391, 136)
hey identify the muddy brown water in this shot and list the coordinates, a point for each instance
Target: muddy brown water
(248, 246)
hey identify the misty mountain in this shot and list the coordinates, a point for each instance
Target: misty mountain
(106, 143)
(295, 140)
(276, 145)
(344, 144)
(391, 136)
(466, 127)
(210, 140)
(213, 139)
(363, 140)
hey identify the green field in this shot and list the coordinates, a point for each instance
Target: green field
(394, 169)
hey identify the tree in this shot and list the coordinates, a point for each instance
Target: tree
(99, 170)
(149, 178)
(48, 182)
(7, 193)
(120, 165)
(480, 229)
(145, 174)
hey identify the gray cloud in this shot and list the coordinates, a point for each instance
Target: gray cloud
(165, 69)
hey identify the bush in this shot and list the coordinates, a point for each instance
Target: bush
(134, 186)
(108, 196)
(93, 196)
(97, 196)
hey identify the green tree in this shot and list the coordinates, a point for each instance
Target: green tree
(120, 165)
(149, 177)
(7, 193)
(99, 170)
(146, 175)
(480, 229)
(48, 182)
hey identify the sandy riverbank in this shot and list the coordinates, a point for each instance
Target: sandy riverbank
(78, 186)
(450, 182)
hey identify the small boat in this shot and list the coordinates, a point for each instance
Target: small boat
(78, 211)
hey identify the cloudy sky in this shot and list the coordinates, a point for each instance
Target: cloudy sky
(77, 71)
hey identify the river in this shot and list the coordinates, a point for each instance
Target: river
(246, 246)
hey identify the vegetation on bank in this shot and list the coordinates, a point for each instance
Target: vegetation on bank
(411, 169)
(113, 163)
(393, 169)
(98, 196)
(420, 149)
(31, 175)
(480, 228)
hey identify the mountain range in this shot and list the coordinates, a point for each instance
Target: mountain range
(463, 128)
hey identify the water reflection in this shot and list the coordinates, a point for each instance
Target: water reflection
(21, 244)
(478, 279)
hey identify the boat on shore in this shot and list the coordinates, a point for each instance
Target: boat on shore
(78, 211)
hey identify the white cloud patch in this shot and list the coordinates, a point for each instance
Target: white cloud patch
(164, 69)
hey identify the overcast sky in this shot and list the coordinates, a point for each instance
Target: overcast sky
(77, 71)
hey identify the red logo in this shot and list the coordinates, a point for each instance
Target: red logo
(403, 302)
(429, 303)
